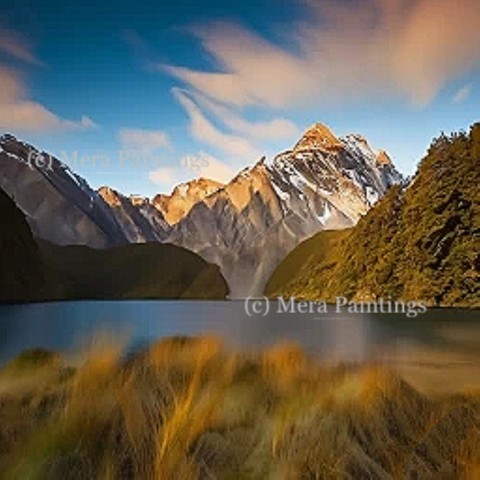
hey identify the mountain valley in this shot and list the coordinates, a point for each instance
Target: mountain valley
(246, 227)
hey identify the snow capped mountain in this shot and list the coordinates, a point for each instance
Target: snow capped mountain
(318, 137)
(249, 225)
(246, 227)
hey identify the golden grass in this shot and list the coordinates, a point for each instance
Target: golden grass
(187, 408)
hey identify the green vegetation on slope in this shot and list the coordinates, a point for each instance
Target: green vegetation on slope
(421, 243)
(318, 249)
(31, 271)
(188, 409)
(23, 275)
(140, 271)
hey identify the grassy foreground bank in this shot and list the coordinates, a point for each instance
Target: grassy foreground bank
(189, 408)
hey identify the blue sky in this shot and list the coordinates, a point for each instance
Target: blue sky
(140, 95)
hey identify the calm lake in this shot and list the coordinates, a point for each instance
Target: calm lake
(344, 337)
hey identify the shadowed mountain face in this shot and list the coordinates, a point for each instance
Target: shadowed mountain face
(62, 208)
(139, 220)
(246, 227)
(418, 243)
(141, 271)
(22, 273)
(59, 205)
(31, 271)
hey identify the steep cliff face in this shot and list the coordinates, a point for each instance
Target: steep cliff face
(138, 219)
(62, 208)
(59, 205)
(248, 226)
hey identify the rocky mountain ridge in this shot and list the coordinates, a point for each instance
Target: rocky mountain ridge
(245, 227)
(248, 226)
(175, 206)
(419, 243)
(59, 205)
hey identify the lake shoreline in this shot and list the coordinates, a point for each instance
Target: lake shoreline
(206, 300)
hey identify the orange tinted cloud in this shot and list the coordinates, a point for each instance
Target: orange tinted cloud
(18, 113)
(253, 69)
(406, 49)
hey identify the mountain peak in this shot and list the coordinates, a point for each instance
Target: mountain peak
(175, 206)
(7, 137)
(318, 136)
(109, 195)
(201, 184)
(138, 200)
(383, 159)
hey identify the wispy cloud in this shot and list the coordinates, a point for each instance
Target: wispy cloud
(205, 165)
(463, 93)
(235, 141)
(165, 177)
(18, 113)
(204, 131)
(143, 140)
(274, 129)
(405, 49)
(199, 165)
(255, 71)
(17, 47)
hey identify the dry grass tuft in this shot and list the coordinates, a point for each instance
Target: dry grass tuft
(186, 408)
